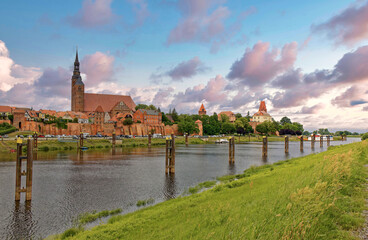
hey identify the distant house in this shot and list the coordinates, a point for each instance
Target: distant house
(5, 111)
(147, 116)
(229, 114)
(31, 115)
(262, 115)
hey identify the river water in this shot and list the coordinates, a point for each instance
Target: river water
(66, 184)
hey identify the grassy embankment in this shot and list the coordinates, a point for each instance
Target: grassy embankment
(319, 196)
(55, 145)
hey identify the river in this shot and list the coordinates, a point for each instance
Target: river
(66, 184)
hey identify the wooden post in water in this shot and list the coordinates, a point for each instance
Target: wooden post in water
(328, 141)
(265, 147)
(286, 144)
(29, 170)
(301, 143)
(313, 138)
(170, 155)
(18, 169)
(81, 140)
(149, 139)
(231, 150)
(113, 139)
(35, 141)
(321, 140)
(186, 139)
(28, 173)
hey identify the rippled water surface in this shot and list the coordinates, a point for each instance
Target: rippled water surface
(66, 184)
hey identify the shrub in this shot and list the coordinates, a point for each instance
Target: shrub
(70, 233)
(365, 136)
(128, 121)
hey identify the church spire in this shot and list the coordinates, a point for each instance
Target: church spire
(76, 62)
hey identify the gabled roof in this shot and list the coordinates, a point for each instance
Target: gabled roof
(262, 113)
(99, 109)
(106, 101)
(32, 113)
(49, 112)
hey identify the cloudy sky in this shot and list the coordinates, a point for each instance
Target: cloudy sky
(307, 59)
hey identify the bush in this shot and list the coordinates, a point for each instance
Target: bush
(365, 136)
(128, 121)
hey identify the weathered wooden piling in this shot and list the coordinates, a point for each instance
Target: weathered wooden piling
(186, 139)
(170, 155)
(28, 173)
(231, 150)
(113, 139)
(313, 138)
(35, 141)
(149, 140)
(301, 143)
(328, 141)
(265, 147)
(81, 140)
(321, 141)
(286, 144)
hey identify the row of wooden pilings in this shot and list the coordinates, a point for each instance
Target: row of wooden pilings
(32, 145)
(313, 140)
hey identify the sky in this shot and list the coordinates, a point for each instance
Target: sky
(307, 59)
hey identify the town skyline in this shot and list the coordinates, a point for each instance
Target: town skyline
(224, 55)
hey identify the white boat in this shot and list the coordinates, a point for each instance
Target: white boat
(318, 137)
(222, 141)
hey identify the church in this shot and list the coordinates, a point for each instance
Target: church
(100, 107)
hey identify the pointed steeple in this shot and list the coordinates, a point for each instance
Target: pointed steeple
(76, 56)
(262, 107)
(76, 62)
(202, 110)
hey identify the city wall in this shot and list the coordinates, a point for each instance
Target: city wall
(104, 129)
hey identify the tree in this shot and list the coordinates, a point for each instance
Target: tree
(187, 125)
(175, 115)
(141, 106)
(266, 127)
(128, 121)
(285, 120)
(238, 115)
(224, 118)
(306, 133)
(298, 126)
(166, 120)
(227, 128)
(75, 120)
(152, 107)
(10, 117)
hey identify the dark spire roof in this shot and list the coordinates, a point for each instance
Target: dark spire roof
(76, 62)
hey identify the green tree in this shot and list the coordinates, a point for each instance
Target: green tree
(187, 125)
(175, 115)
(11, 117)
(306, 133)
(141, 106)
(165, 119)
(151, 107)
(128, 121)
(266, 127)
(285, 120)
(75, 120)
(238, 115)
(227, 128)
(224, 118)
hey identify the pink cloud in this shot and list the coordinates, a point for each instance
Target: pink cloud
(261, 64)
(312, 110)
(348, 27)
(98, 67)
(93, 14)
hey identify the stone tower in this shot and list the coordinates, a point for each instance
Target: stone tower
(202, 110)
(77, 88)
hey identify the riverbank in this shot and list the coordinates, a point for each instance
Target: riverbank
(52, 144)
(317, 196)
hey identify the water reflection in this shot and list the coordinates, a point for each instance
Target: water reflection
(21, 224)
(232, 169)
(170, 186)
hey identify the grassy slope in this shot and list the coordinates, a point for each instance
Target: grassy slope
(315, 197)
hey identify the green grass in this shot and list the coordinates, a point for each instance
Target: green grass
(319, 196)
(93, 216)
(142, 203)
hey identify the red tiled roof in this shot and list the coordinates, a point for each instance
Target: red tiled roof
(262, 107)
(227, 113)
(5, 109)
(262, 113)
(106, 101)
